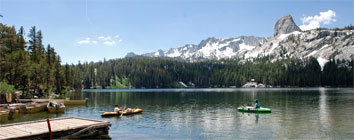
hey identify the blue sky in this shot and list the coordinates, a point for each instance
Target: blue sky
(90, 30)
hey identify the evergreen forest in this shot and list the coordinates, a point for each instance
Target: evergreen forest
(166, 73)
(30, 66)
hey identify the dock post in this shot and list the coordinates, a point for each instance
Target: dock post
(50, 130)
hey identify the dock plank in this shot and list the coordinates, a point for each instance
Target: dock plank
(38, 126)
(34, 128)
(30, 130)
(71, 123)
(11, 132)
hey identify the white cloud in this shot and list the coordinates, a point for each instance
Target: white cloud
(105, 38)
(313, 22)
(110, 43)
(85, 41)
(101, 40)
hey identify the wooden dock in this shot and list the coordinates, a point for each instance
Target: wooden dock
(61, 127)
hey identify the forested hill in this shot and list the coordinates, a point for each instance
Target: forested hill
(164, 73)
(30, 66)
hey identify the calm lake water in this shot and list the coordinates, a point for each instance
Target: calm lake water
(316, 113)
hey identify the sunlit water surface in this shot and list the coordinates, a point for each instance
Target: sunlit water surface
(315, 113)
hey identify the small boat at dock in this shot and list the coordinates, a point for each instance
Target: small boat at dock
(32, 108)
(54, 107)
(125, 112)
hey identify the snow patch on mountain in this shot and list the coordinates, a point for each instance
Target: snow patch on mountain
(322, 61)
(283, 36)
(175, 53)
(243, 46)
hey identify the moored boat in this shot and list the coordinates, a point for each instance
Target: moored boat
(16, 105)
(54, 107)
(253, 110)
(125, 112)
(32, 108)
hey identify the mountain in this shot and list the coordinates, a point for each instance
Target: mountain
(288, 41)
(131, 54)
(285, 25)
(212, 49)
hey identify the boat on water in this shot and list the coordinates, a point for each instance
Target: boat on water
(54, 107)
(125, 112)
(32, 108)
(253, 110)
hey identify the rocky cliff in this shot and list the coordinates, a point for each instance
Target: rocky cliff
(285, 25)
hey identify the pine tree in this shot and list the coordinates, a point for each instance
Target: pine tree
(38, 65)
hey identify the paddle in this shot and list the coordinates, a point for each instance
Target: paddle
(122, 111)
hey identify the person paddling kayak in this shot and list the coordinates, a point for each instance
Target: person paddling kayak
(257, 106)
(117, 109)
(254, 109)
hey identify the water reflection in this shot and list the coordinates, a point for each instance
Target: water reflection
(253, 116)
(323, 113)
(124, 118)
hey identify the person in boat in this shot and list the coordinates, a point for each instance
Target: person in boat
(129, 110)
(257, 106)
(117, 109)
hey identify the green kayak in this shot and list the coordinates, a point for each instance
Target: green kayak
(251, 109)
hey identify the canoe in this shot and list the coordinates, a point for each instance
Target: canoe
(125, 112)
(251, 109)
(54, 107)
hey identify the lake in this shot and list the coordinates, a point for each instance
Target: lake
(299, 113)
